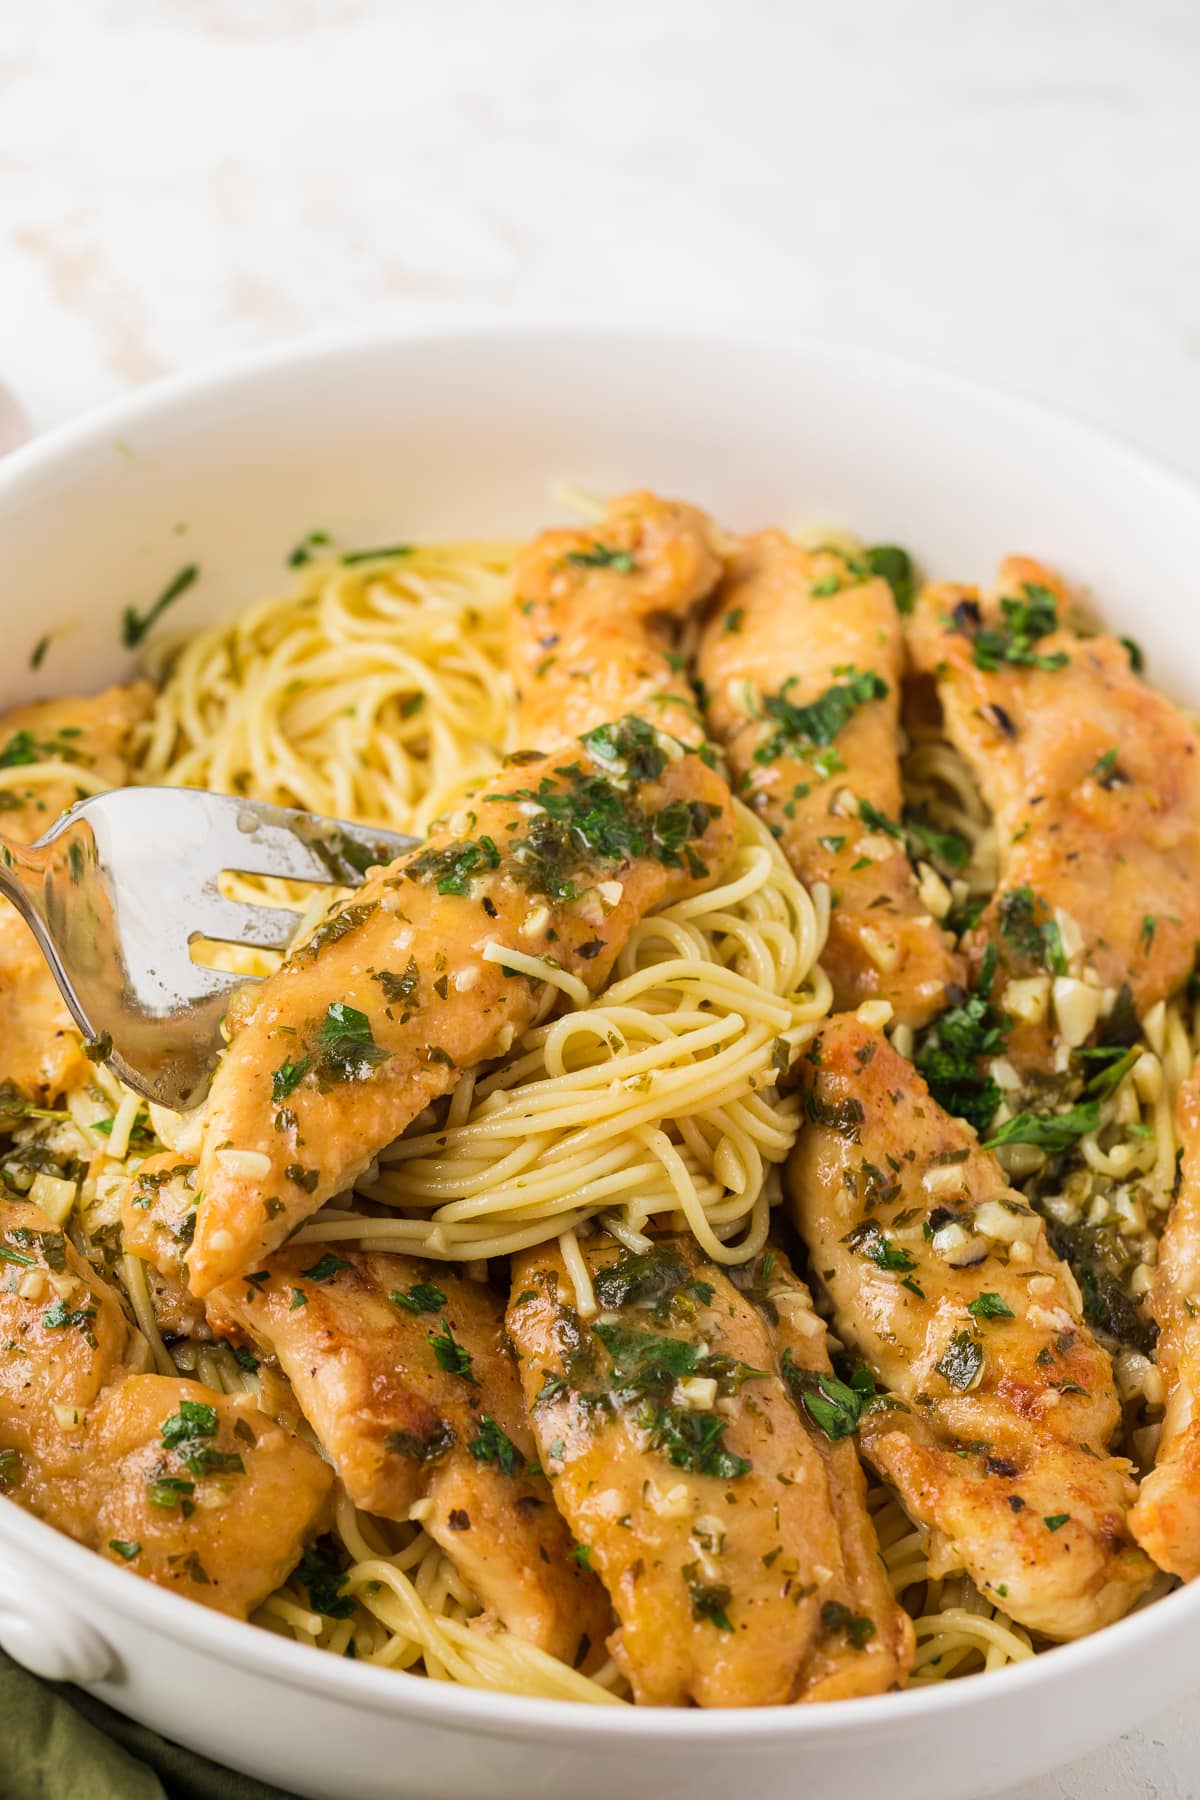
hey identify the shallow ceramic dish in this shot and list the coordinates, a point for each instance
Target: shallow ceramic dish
(384, 437)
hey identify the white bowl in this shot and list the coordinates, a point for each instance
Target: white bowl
(394, 436)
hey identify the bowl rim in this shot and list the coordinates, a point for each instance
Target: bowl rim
(393, 1692)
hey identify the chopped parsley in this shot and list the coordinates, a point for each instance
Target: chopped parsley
(302, 554)
(286, 1077)
(1056, 1521)
(944, 847)
(949, 1058)
(895, 566)
(325, 1266)
(709, 1598)
(339, 926)
(345, 1050)
(695, 1441)
(800, 728)
(135, 625)
(1028, 935)
(601, 556)
(422, 1297)
(658, 1279)
(989, 1306)
(61, 1317)
(492, 1445)
(1116, 1066)
(867, 1240)
(375, 555)
(829, 1403)
(398, 987)
(1024, 622)
(186, 1433)
(169, 1491)
(961, 1361)
(452, 1356)
(857, 1629)
(1146, 936)
(453, 867)
(323, 1582)
(125, 1550)
(1052, 1131)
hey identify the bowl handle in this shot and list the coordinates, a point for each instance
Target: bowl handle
(45, 1635)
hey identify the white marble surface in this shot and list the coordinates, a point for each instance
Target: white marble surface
(1007, 189)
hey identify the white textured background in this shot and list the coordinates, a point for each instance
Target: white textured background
(1008, 189)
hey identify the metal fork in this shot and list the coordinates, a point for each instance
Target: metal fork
(125, 882)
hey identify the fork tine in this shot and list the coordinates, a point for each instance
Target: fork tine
(275, 840)
(231, 922)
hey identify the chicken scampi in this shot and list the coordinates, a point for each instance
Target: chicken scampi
(198, 1492)
(566, 1393)
(998, 1406)
(402, 1370)
(800, 663)
(1093, 779)
(669, 1426)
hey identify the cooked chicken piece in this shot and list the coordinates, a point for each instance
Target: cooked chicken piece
(193, 1490)
(680, 1462)
(63, 1337)
(1094, 781)
(158, 1217)
(401, 1369)
(88, 733)
(382, 1007)
(1000, 1404)
(40, 1048)
(860, 1661)
(196, 1491)
(1166, 1519)
(596, 615)
(801, 663)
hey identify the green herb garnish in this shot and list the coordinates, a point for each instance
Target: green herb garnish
(961, 1361)
(1052, 1131)
(135, 625)
(452, 1356)
(492, 1445)
(422, 1297)
(989, 1306)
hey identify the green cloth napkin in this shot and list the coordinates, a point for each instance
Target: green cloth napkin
(58, 1743)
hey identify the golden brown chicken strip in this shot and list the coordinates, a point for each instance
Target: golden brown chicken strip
(681, 1463)
(379, 1011)
(596, 615)
(854, 1660)
(63, 1337)
(401, 1369)
(942, 1280)
(800, 663)
(84, 740)
(1094, 781)
(1166, 1519)
(158, 1217)
(196, 1491)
